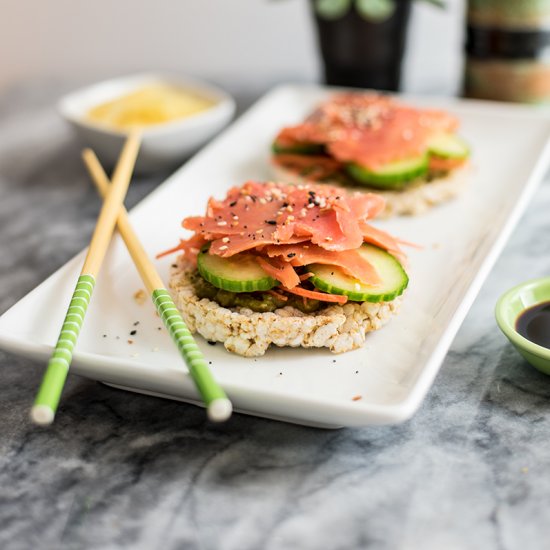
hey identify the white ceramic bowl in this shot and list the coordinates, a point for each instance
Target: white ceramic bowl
(163, 145)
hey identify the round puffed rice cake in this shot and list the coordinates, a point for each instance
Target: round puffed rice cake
(247, 333)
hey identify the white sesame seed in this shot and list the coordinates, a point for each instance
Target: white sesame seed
(225, 240)
(224, 247)
(222, 223)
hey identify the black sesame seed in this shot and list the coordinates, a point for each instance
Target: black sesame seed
(133, 332)
(291, 255)
(271, 222)
(136, 323)
(233, 203)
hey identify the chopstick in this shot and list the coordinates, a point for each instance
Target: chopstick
(218, 406)
(49, 393)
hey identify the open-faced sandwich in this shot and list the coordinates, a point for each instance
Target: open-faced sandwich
(413, 157)
(290, 266)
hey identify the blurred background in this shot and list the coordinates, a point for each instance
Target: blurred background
(245, 45)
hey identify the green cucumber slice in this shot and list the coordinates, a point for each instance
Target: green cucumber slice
(333, 280)
(449, 146)
(299, 148)
(239, 273)
(394, 175)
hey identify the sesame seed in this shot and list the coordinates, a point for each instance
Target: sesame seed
(224, 247)
(222, 223)
(225, 240)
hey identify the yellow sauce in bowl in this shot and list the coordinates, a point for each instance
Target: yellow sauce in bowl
(149, 106)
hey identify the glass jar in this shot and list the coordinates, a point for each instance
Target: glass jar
(508, 50)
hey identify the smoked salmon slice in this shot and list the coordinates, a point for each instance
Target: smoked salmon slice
(367, 129)
(288, 227)
(305, 254)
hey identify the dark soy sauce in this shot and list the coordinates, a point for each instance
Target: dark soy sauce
(534, 324)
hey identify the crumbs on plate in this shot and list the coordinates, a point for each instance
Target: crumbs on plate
(140, 297)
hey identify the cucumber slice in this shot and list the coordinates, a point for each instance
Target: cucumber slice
(333, 280)
(239, 273)
(299, 148)
(449, 146)
(394, 175)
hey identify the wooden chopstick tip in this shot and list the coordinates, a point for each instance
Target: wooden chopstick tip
(219, 410)
(42, 415)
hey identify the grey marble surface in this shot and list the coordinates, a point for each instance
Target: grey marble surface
(118, 470)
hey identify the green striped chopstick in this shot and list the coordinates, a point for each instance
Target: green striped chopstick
(49, 393)
(218, 406)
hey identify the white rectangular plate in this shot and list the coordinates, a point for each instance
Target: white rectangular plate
(395, 368)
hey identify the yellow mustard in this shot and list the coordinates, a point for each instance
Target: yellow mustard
(148, 106)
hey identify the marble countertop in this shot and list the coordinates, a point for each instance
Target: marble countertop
(119, 470)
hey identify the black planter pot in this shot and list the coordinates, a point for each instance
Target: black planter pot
(361, 53)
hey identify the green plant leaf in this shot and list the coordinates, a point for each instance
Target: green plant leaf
(375, 10)
(438, 3)
(332, 9)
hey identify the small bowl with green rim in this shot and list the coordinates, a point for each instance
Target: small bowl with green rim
(509, 307)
